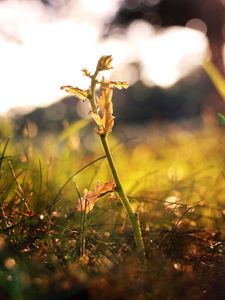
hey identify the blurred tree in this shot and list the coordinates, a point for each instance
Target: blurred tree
(203, 15)
(207, 16)
(52, 118)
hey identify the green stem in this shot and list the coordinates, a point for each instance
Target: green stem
(133, 216)
(92, 96)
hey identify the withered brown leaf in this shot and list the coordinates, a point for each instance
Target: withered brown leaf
(89, 199)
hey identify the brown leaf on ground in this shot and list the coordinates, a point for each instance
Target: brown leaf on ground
(89, 199)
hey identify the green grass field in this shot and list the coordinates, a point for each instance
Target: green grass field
(174, 178)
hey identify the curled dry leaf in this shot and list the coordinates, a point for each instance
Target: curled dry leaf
(79, 93)
(104, 117)
(104, 63)
(86, 72)
(119, 84)
(89, 199)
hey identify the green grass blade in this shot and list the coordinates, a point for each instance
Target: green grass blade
(72, 129)
(221, 119)
(216, 77)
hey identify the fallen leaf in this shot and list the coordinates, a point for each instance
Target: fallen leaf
(89, 199)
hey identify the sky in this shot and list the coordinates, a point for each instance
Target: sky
(43, 49)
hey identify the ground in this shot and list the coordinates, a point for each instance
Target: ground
(174, 177)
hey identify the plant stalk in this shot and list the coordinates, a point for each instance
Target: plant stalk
(133, 216)
(92, 95)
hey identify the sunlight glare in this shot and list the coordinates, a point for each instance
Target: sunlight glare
(171, 54)
(49, 55)
(105, 7)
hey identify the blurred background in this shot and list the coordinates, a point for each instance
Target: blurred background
(158, 46)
